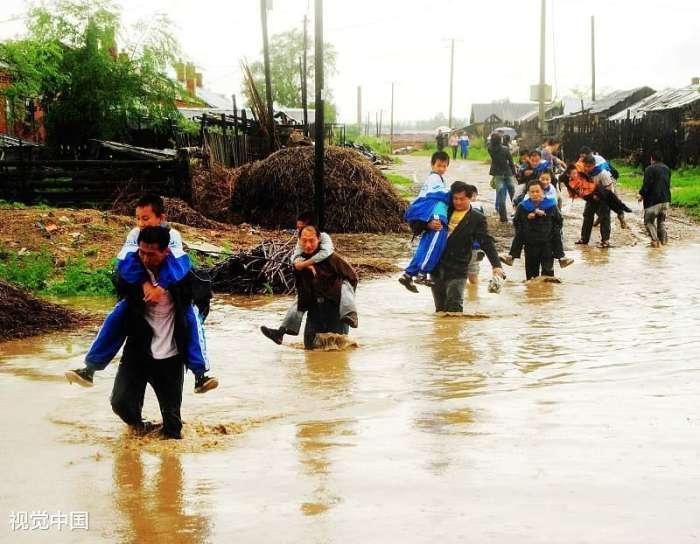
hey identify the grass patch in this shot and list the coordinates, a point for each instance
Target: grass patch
(685, 185)
(36, 272)
(402, 184)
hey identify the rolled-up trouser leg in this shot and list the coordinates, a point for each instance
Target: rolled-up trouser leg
(109, 338)
(650, 223)
(197, 358)
(292, 320)
(347, 300)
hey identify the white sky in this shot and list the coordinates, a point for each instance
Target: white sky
(638, 42)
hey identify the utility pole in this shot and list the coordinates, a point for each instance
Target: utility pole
(266, 54)
(304, 82)
(367, 126)
(319, 188)
(359, 109)
(593, 58)
(542, 44)
(391, 122)
(452, 72)
(379, 129)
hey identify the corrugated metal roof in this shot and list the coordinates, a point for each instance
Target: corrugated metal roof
(614, 98)
(668, 99)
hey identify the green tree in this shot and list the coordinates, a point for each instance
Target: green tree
(69, 60)
(286, 50)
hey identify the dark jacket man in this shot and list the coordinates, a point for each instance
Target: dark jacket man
(656, 188)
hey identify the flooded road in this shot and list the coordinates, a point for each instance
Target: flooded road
(550, 413)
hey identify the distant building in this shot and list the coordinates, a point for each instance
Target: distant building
(504, 111)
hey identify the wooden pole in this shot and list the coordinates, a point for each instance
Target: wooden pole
(266, 55)
(304, 81)
(319, 187)
(391, 122)
(542, 45)
(452, 72)
(593, 58)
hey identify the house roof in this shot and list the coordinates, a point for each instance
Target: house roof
(505, 110)
(296, 114)
(212, 99)
(611, 100)
(668, 99)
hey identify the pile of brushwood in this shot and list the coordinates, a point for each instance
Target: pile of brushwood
(358, 198)
(23, 315)
(366, 151)
(176, 211)
(212, 188)
(265, 269)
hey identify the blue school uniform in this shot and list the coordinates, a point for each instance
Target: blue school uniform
(111, 335)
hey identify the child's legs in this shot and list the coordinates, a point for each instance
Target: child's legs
(197, 358)
(292, 320)
(347, 299)
(428, 253)
(109, 338)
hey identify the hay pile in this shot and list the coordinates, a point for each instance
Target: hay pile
(23, 315)
(272, 192)
(212, 188)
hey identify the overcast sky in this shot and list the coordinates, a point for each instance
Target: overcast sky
(640, 42)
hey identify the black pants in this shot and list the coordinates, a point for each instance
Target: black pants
(592, 208)
(166, 377)
(454, 151)
(323, 317)
(538, 260)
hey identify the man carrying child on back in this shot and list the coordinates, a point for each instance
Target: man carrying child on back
(431, 205)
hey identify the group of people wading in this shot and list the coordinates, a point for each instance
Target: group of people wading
(163, 301)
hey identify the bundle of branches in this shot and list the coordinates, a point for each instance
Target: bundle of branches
(212, 189)
(23, 315)
(176, 210)
(259, 107)
(265, 269)
(358, 198)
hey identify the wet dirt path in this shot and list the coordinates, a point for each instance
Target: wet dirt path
(549, 413)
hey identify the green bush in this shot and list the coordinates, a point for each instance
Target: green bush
(30, 271)
(79, 279)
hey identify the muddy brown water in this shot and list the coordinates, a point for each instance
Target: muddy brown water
(548, 413)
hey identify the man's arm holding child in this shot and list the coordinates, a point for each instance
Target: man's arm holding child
(325, 250)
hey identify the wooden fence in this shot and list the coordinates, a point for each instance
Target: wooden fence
(677, 138)
(91, 182)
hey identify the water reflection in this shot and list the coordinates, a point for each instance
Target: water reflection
(327, 375)
(153, 505)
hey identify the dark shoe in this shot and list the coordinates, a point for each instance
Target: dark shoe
(147, 427)
(350, 319)
(565, 261)
(81, 376)
(407, 282)
(581, 243)
(276, 335)
(604, 244)
(205, 383)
